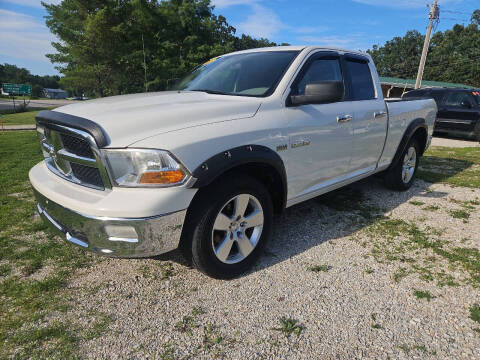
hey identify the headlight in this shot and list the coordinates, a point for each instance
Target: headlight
(144, 167)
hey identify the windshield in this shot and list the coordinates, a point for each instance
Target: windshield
(251, 74)
(476, 95)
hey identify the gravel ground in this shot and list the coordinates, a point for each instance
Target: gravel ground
(456, 143)
(350, 308)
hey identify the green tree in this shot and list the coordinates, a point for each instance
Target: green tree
(105, 45)
(454, 55)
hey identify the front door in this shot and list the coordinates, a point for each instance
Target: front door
(320, 134)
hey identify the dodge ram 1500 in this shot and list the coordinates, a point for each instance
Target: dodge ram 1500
(204, 167)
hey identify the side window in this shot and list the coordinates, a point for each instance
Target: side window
(320, 70)
(362, 81)
(456, 99)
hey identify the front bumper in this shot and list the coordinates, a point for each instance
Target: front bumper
(117, 237)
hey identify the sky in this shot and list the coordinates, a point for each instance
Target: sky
(352, 24)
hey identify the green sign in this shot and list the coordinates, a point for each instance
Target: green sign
(17, 89)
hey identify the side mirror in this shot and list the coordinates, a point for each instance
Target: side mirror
(466, 104)
(319, 93)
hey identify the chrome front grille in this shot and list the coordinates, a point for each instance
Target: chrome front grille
(73, 155)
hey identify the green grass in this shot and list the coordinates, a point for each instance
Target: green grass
(289, 326)
(23, 118)
(420, 294)
(417, 203)
(36, 265)
(454, 166)
(475, 313)
(320, 268)
(395, 240)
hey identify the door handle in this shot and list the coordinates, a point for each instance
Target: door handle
(378, 114)
(344, 118)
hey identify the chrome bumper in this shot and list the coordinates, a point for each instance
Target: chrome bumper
(117, 237)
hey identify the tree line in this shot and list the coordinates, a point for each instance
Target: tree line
(16, 75)
(110, 47)
(454, 55)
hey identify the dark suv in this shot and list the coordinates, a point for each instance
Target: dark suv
(458, 110)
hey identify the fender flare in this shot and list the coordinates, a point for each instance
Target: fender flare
(222, 162)
(407, 136)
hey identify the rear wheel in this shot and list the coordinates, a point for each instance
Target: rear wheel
(228, 226)
(402, 175)
(477, 130)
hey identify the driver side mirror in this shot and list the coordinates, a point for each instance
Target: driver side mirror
(466, 104)
(319, 93)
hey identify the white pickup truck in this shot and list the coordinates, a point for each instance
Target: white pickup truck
(205, 167)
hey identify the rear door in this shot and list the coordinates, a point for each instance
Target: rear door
(459, 112)
(370, 115)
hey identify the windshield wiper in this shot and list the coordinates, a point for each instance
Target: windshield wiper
(210, 91)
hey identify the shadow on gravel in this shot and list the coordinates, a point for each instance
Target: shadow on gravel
(328, 217)
(335, 215)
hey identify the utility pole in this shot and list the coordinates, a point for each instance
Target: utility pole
(433, 15)
(144, 65)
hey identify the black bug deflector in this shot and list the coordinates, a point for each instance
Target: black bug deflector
(46, 117)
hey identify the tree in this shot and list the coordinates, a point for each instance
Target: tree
(101, 51)
(13, 74)
(454, 55)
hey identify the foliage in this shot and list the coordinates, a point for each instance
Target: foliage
(13, 74)
(35, 265)
(453, 55)
(100, 51)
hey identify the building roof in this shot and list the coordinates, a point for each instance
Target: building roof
(410, 83)
(54, 90)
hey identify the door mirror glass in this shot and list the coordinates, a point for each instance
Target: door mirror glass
(319, 93)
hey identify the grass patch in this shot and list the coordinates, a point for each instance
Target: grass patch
(23, 118)
(431, 208)
(454, 166)
(30, 296)
(395, 240)
(420, 294)
(475, 313)
(375, 325)
(416, 203)
(289, 326)
(460, 214)
(320, 268)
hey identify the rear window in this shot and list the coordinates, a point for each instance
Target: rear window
(362, 81)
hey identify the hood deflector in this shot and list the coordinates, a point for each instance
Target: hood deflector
(46, 117)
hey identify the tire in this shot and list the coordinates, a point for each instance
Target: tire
(476, 131)
(401, 178)
(218, 237)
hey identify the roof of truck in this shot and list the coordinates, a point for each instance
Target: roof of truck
(298, 48)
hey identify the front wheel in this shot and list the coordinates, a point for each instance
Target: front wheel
(402, 175)
(229, 226)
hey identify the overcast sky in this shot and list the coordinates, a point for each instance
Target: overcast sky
(355, 24)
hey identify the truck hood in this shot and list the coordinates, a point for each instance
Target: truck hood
(127, 119)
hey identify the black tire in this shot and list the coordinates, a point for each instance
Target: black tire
(394, 175)
(476, 131)
(198, 236)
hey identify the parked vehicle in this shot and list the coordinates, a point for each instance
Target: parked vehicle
(205, 167)
(458, 110)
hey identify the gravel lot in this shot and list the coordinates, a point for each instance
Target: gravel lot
(454, 143)
(333, 266)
